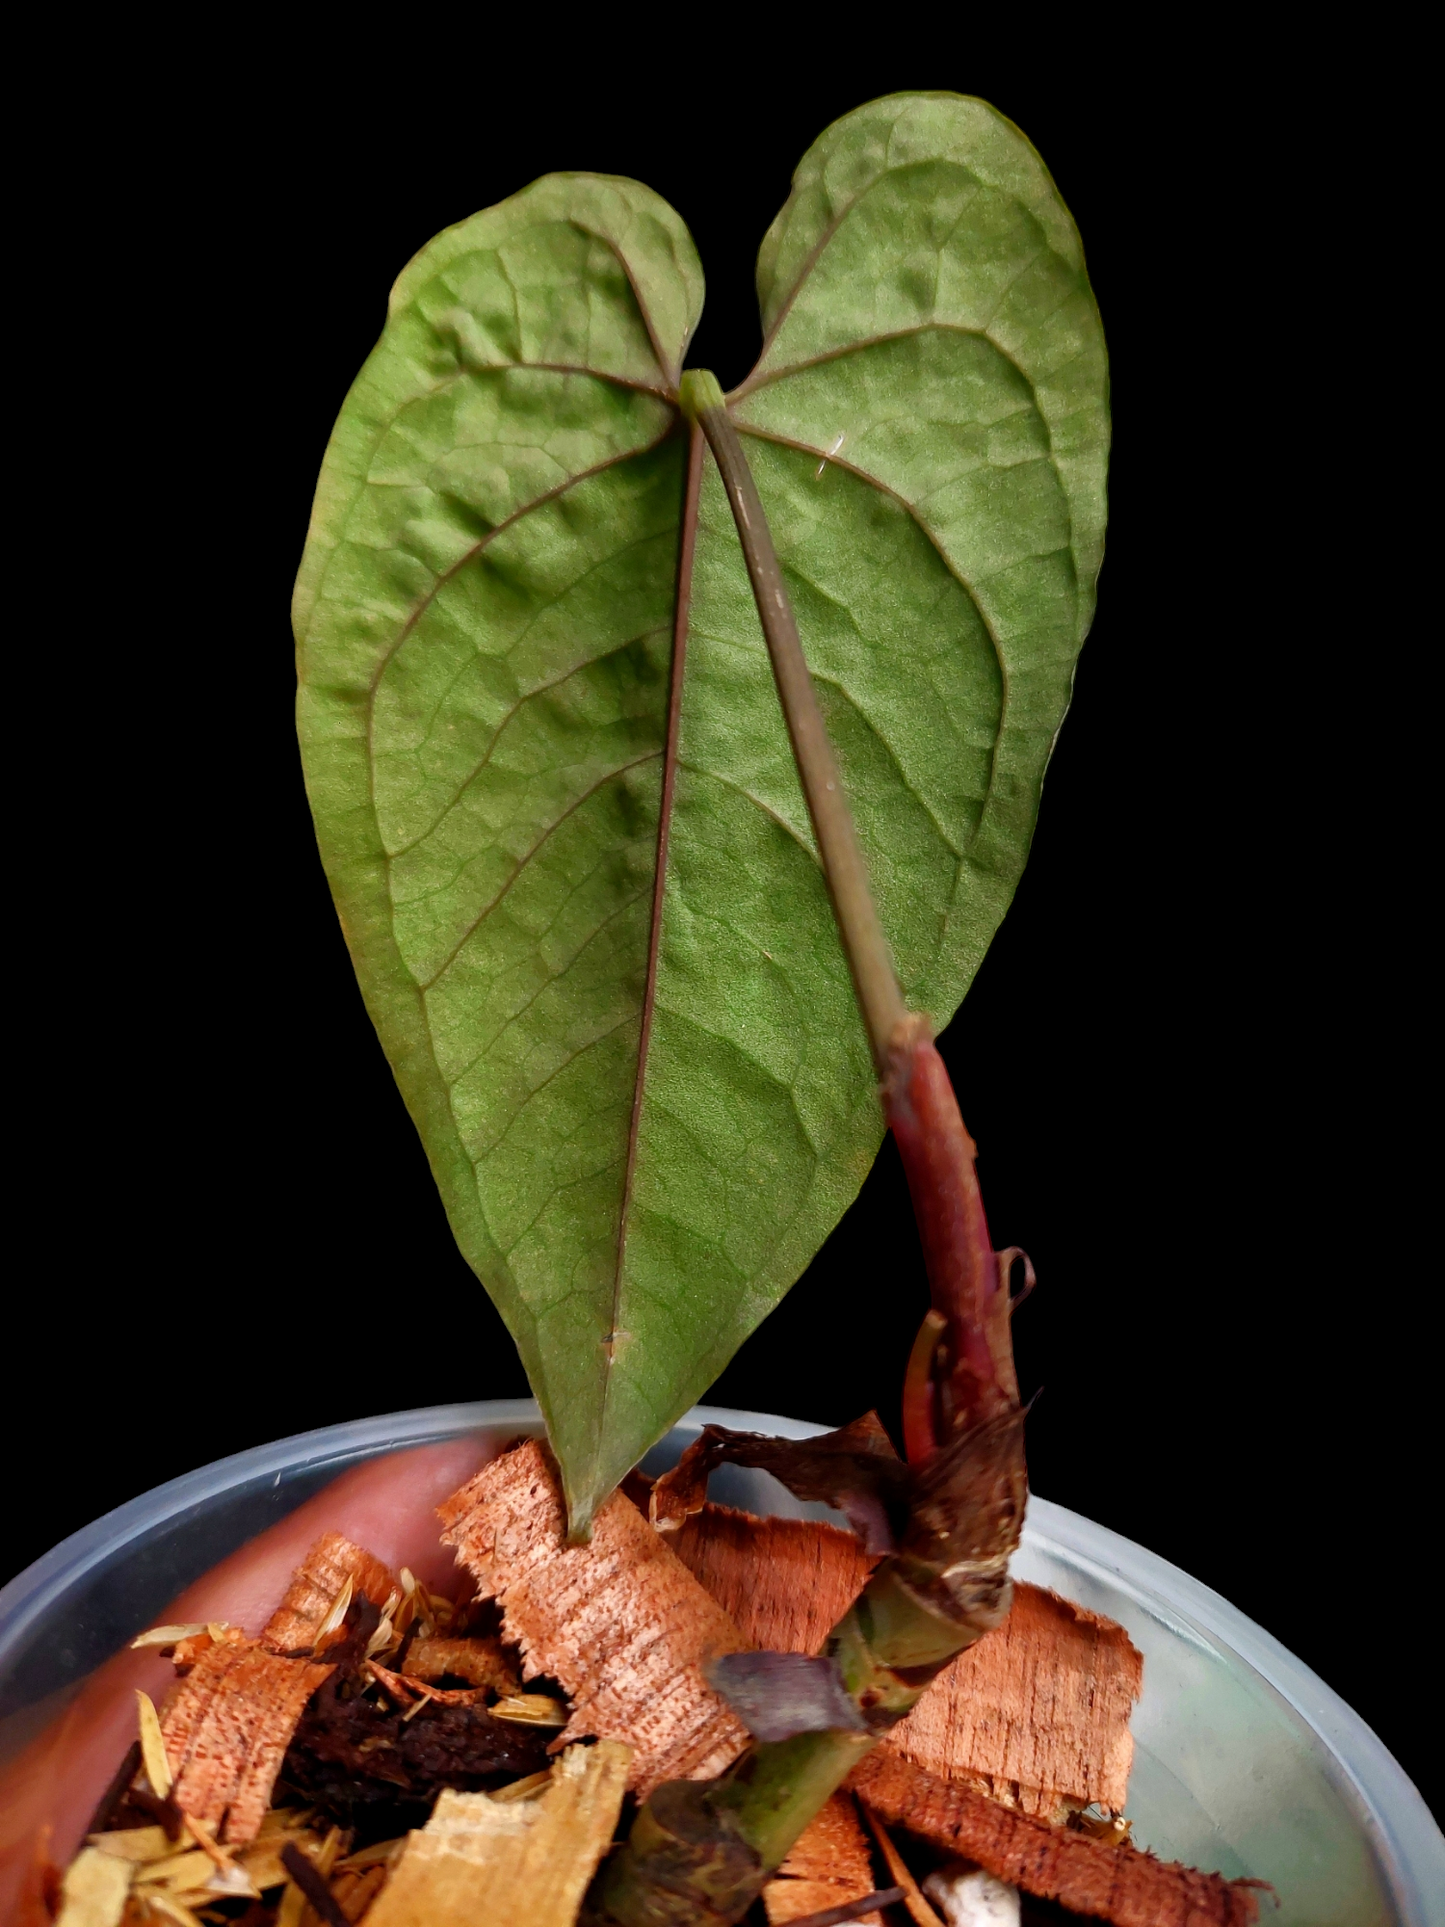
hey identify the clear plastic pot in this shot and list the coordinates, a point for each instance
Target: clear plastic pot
(1245, 1761)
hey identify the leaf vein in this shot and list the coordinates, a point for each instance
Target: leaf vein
(527, 857)
(555, 976)
(698, 769)
(958, 576)
(879, 737)
(863, 342)
(586, 1177)
(664, 366)
(527, 508)
(530, 695)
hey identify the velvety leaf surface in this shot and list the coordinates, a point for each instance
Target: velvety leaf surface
(484, 619)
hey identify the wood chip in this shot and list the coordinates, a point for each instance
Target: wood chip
(1037, 1713)
(159, 1636)
(404, 1689)
(785, 1583)
(179, 1873)
(790, 1900)
(95, 1890)
(261, 1861)
(354, 1892)
(312, 1878)
(864, 1908)
(152, 1747)
(285, 1820)
(522, 1863)
(226, 1731)
(620, 1623)
(335, 1614)
(829, 1863)
(1038, 1709)
(168, 1907)
(833, 1846)
(1114, 1883)
(1034, 1716)
(203, 1838)
(530, 1709)
(382, 1853)
(316, 1585)
(135, 1843)
(526, 1788)
(480, 1662)
(386, 1639)
(293, 1910)
(920, 1909)
(188, 1650)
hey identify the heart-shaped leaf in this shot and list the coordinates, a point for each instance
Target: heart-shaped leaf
(589, 922)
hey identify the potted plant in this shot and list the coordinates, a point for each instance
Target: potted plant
(635, 909)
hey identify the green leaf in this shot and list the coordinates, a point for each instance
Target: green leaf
(641, 1144)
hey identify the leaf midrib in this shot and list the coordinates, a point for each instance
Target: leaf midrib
(669, 374)
(682, 603)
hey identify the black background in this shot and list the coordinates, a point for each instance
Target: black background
(1175, 1057)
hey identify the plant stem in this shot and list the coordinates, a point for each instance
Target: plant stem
(918, 1099)
(864, 944)
(978, 1379)
(699, 1853)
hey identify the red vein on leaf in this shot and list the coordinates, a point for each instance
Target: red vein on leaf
(665, 367)
(593, 789)
(935, 540)
(758, 380)
(474, 370)
(810, 261)
(415, 615)
(686, 547)
(593, 374)
(910, 509)
(516, 1016)
(527, 696)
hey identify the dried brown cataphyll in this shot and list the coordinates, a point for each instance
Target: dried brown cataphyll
(632, 1707)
